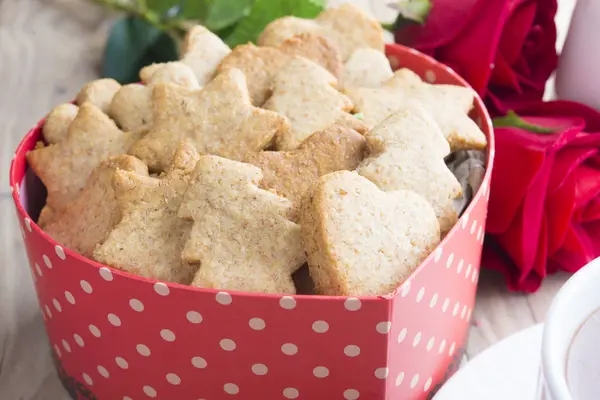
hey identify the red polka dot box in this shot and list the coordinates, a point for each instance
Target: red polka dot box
(116, 336)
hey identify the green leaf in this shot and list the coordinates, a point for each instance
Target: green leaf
(190, 9)
(512, 120)
(414, 10)
(224, 13)
(265, 11)
(132, 44)
(410, 12)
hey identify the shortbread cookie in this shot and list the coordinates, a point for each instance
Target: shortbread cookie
(304, 92)
(361, 241)
(87, 220)
(261, 64)
(347, 26)
(412, 127)
(242, 236)
(293, 173)
(58, 121)
(201, 50)
(65, 167)
(99, 93)
(218, 119)
(406, 152)
(150, 236)
(131, 106)
(366, 68)
(447, 104)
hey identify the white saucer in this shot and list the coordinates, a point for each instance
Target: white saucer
(507, 370)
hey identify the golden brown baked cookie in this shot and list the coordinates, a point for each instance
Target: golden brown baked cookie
(242, 236)
(261, 64)
(87, 220)
(58, 121)
(201, 50)
(64, 167)
(305, 93)
(131, 107)
(449, 105)
(361, 241)
(293, 173)
(150, 236)
(218, 119)
(347, 26)
(99, 93)
(407, 152)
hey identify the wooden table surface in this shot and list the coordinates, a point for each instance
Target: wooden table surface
(48, 49)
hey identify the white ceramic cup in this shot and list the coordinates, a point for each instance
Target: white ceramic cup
(577, 77)
(576, 301)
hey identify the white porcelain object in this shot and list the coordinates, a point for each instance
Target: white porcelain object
(509, 370)
(575, 303)
(578, 75)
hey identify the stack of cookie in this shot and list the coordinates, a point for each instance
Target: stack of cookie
(233, 168)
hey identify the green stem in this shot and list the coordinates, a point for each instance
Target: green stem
(139, 9)
(512, 120)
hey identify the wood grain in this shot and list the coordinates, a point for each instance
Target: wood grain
(48, 49)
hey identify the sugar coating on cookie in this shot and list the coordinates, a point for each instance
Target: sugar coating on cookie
(407, 152)
(449, 105)
(261, 64)
(150, 236)
(218, 119)
(131, 107)
(305, 93)
(292, 174)
(99, 93)
(86, 221)
(366, 68)
(347, 26)
(58, 121)
(201, 50)
(242, 236)
(361, 241)
(65, 167)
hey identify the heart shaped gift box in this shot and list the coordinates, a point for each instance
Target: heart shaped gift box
(119, 336)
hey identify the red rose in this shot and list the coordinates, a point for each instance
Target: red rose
(504, 48)
(544, 210)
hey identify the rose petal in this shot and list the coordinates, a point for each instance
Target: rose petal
(525, 234)
(516, 30)
(566, 161)
(564, 108)
(483, 36)
(446, 20)
(503, 75)
(560, 206)
(494, 258)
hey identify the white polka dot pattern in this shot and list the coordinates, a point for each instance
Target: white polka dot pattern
(136, 338)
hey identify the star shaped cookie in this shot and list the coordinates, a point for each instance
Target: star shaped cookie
(242, 236)
(87, 220)
(201, 50)
(58, 121)
(261, 64)
(449, 105)
(64, 167)
(292, 174)
(150, 236)
(407, 152)
(347, 26)
(131, 107)
(218, 119)
(305, 93)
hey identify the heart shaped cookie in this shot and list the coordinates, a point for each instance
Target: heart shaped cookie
(361, 241)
